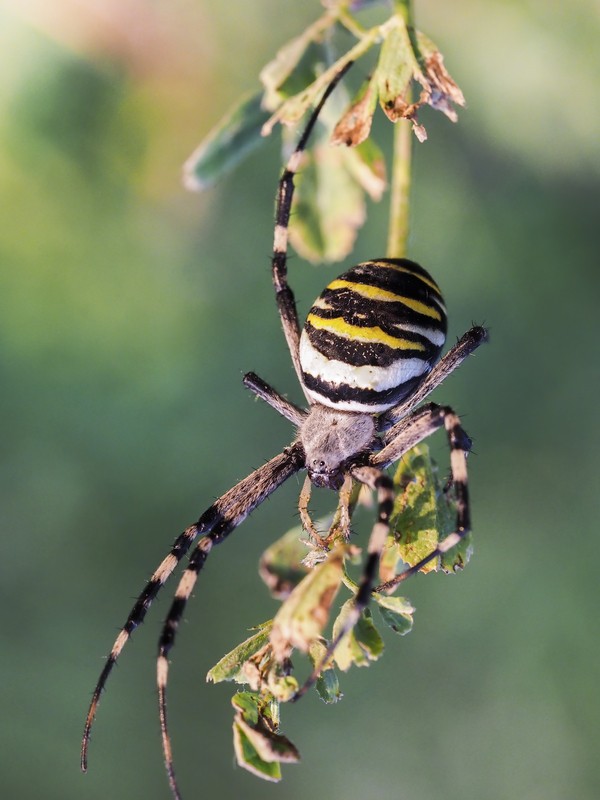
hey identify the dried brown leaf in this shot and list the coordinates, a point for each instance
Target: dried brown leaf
(302, 617)
(355, 124)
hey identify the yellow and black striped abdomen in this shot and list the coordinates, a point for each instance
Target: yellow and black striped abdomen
(372, 336)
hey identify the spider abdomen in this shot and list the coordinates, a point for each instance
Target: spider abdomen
(372, 336)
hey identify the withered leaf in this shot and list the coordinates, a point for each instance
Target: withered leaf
(355, 124)
(302, 617)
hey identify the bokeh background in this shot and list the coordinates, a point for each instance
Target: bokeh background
(129, 310)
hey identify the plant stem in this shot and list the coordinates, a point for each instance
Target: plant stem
(401, 164)
(400, 190)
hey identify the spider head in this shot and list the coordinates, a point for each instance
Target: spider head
(325, 478)
(332, 440)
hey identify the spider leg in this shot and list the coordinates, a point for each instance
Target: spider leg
(428, 420)
(226, 514)
(135, 618)
(284, 296)
(281, 404)
(343, 514)
(410, 431)
(377, 480)
(252, 490)
(305, 518)
(320, 543)
(469, 342)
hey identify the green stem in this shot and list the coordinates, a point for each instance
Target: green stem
(400, 190)
(404, 9)
(401, 164)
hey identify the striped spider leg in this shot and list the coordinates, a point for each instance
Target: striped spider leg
(411, 427)
(419, 426)
(214, 525)
(366, 357)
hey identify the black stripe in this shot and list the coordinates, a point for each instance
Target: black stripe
(372, 269)
(169, 630)
(286, 190)
(401, 283)
(385, 489)
(138, 612)
(337, 393)
(387, 314)
(358, 354)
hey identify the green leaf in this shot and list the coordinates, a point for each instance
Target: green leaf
(394, 72)
(285, 75)
(252, 662)
(248, 758)
(362, 644)
(397, 612)
(258, 746)
(457, 557)
(366, 164)
(235, 137)
(292, 110)
(230, 667)
(423, 515)
(415, 518)
(281, 566)
(327, 685)
(302, 617)
(247, 705)
(329, 206)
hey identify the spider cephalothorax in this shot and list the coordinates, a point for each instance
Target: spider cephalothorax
(333, 441)
(366, 358)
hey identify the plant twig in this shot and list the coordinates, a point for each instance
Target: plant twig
(400, 190)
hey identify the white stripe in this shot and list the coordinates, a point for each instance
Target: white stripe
(366, 376)
(435, 337)
(165, 569)
(449, 542)
(162, 671)
(348, 405)
(119, 644)
(186, 584)
(280, 239)
(293, 164)
(458, 464)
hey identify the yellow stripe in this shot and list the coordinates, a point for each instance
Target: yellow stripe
(375, 293)
(374, 334)
(428, 281)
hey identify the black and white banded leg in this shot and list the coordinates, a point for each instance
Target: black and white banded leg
(426, 421)
(233, 509)
(281, 404)
(381, 483)
(219, 520)
(417, 427)
(284, 296)
(136, 617)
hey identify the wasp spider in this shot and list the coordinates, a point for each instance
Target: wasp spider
(366, 357)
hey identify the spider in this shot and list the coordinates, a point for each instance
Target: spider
(366, 358)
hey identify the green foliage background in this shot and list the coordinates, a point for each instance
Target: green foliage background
(129, 310)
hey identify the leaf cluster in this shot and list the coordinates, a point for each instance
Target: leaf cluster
(331, 191)
(423, 513)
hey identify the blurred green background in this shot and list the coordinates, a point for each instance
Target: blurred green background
(129, 310)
